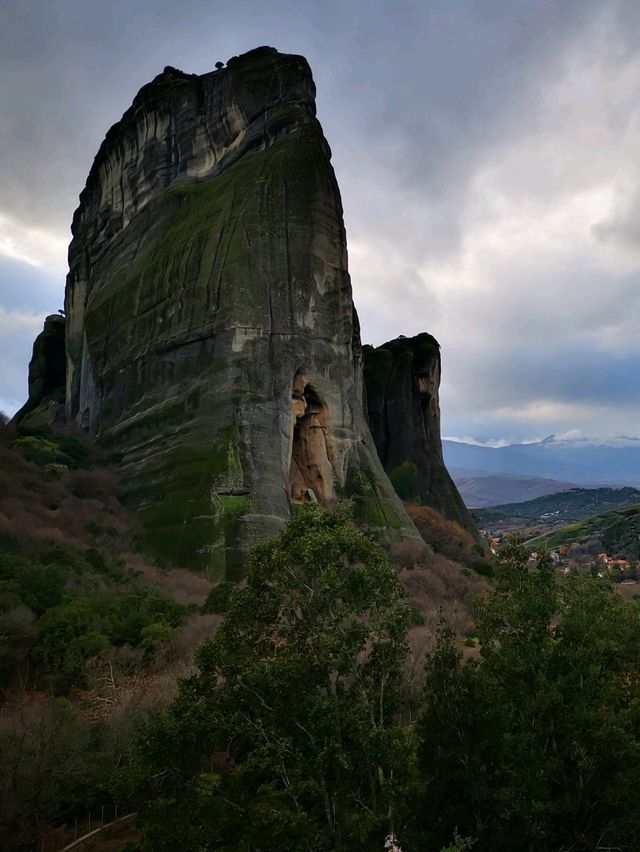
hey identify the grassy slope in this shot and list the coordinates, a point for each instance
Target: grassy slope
(619, 532)
(114, 661)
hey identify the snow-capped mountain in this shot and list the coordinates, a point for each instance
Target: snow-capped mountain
(571, 457)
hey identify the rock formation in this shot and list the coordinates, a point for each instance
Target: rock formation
(402, 380)
(47, 372)
(212, 342)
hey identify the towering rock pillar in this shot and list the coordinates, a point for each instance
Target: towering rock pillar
(212, 341)
(47, 370)
(402, 380)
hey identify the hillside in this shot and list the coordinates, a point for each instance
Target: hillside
(563, 507)
(94, 636)
(617, 533)
(91, 634)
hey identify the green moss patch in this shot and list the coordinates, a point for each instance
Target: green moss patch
(188, 518)
(369, 505)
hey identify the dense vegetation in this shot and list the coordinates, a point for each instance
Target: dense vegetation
(321, 715)
(536, 745)
(616, 533)
(65, 597)
(293, 706)
(292, 734)
(79, 631)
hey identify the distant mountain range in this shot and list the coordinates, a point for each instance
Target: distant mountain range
(582, 461)
(479, 490)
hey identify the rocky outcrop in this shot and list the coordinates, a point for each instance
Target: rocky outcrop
(402, 380)
(47, 372)
(212, 341)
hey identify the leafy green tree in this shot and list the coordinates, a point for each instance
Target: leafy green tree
(537, 745)
(286, 736)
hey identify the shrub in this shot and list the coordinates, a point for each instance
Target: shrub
(445, 536)
(485, 569)
(156, 634)
(95, 559)
(404, 479)
(96, 483)
(219, 597)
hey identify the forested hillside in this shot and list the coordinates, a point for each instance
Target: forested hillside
(94, 635)
(296, 730)
(618, 533)
(91, 634)
(562, 507)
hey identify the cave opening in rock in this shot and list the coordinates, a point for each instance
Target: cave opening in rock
(310, 468)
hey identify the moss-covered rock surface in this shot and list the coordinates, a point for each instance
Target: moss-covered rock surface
(208, 272)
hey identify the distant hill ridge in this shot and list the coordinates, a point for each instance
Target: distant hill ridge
(574, 504)
(583, 461)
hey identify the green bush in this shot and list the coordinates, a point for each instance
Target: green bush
(44, 447)
(404, 479)
(219, 597)
(71, 625)
(482, 567)
(40, 586)
(95, 559)
(156, 634)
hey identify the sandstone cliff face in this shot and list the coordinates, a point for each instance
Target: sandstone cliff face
(402, 380)
(212, 341)
(47, 371)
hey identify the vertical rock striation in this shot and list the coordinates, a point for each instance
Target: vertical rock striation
(402, 380)
(212, 340)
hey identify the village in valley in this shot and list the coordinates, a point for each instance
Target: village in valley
(573, 558)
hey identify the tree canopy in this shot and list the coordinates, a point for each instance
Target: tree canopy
(289, 734)
(536, 746)
(286, 736)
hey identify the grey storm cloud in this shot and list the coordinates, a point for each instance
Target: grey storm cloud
(486, 152)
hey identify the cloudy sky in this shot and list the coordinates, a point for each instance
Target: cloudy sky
(488, 154)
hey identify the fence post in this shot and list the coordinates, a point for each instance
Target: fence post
(75, 831)
(102, 816)
(89, 822)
